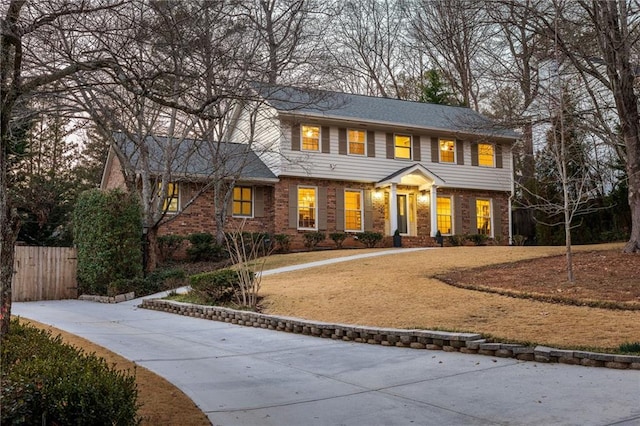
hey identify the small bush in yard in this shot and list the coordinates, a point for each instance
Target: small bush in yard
(283, 241)
(45, 381)
(219, 286)
(155, 282)
(169, 244)
(478, 239)
(338, 238)
(204, 247)
(370, 239)
(456, 240)
(312, 239)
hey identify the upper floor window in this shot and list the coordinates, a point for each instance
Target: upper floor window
(243, 201)
(486, 155)
(171, 203)
(310, 138)
(483, 216)
(403, 147)
(443, 210)
(352, 210)
(356, 142)
(447, 151)
(307, 208)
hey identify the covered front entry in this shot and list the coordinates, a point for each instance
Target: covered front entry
(409, 193)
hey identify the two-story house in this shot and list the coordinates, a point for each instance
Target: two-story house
(352, 163)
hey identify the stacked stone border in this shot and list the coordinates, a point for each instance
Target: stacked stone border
(108, 299)
(469, 343)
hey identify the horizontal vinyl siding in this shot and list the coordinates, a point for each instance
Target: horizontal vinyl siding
(266, 136)
(366, 169)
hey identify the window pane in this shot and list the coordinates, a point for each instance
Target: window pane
(242, 200)
(447, 151)
(403, 146)
(353, 210)
(170, 203)
(483, 213)
(307, 208)
(356, 142)
(485, 155)
(443, 211)
(310, 138)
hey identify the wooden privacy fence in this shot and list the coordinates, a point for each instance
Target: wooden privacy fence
(44, 273)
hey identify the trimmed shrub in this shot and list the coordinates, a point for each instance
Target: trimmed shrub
(370, 239)
(338, 238)
(478, 239)
(157, 281)
(283, 241)
(456, 240)
(169, 244)
(204, 247)
(218, 286)
(312, 239)
(45, 381)
(108, 235)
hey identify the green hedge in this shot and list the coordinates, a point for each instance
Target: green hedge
(215, 287)
(45, 381)
(108, 233)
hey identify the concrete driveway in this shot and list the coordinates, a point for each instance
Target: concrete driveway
(247, 376)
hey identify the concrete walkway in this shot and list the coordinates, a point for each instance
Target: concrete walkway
(247, 376)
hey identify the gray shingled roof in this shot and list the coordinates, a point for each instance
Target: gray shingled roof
(195, 158)
(380, 110)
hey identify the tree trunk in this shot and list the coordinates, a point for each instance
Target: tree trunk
(151, 249)
(9, 226)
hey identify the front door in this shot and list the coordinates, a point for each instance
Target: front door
(403, 215)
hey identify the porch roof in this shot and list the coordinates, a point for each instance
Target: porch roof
(415, 174)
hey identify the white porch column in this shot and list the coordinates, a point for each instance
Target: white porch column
(393, 208)
(433, 210)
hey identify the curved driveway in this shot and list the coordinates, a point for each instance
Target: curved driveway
(247, 376)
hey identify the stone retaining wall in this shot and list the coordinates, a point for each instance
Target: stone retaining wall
(469, 343)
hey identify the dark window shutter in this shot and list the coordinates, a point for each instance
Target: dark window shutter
(322, 209)
(258, 201)
(342, 141)
(339, 209)
(459, 151)
(416, 149)
(295, 137)
(371, 143)
(293, 206)
(368, 210)
(457, 215)
(326, 141)
(230, 204)
(390, 146)
(474, 154)
(435, 150)
(473, 219)
(498, 156)
(497, 217)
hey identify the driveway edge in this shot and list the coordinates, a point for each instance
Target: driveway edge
(470, 343)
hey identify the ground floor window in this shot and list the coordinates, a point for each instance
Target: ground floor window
(307, 208)
(443, 211)
(483, 216)
(171, 202)
(243, 201)
(353, 210)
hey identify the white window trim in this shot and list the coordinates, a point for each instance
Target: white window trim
(493, 164)
(315, 227)
(451, 201)
(455, 151)
(302, 136)
(364, 154)
(361, 210)
(253, 202)
(410, 147)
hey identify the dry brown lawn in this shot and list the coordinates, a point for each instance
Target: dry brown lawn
(398, 290)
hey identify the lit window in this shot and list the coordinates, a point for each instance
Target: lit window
(352, 210)
(242, 201)
(403, 146)
(483, 216)
(307, 208)
(485, 155)
(356, 142)
(447, 151)
(171, 202)
(443, 210)
(310, 138)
